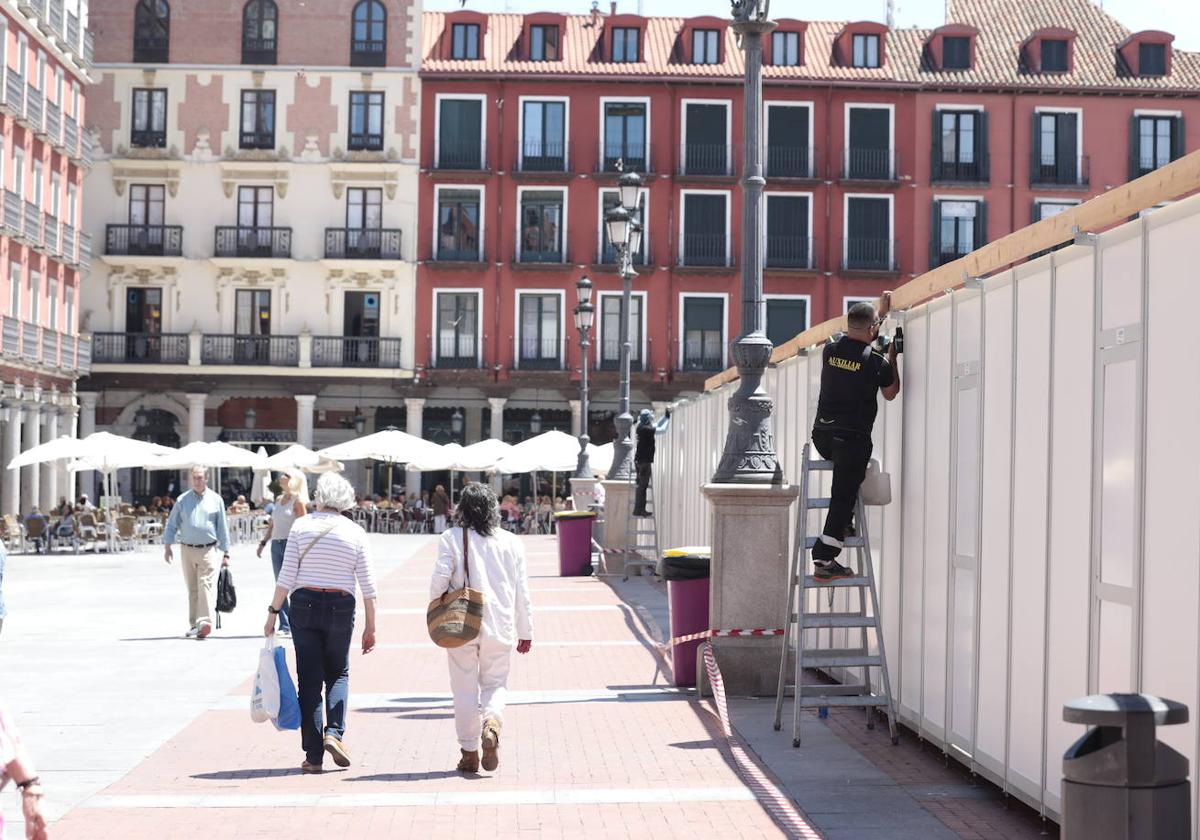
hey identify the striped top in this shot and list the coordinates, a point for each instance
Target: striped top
(341, 557)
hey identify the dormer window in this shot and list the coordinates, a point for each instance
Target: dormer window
(866, 51)
(1152, 59)
(705, 47)
(785, 49)
(543, 43)
(464, 41)
(1054, 55)
(624, 45)
(956, 53)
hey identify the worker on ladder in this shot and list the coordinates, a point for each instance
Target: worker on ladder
(853, 372)
(643, 455)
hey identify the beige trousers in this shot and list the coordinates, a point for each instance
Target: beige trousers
(200, 574)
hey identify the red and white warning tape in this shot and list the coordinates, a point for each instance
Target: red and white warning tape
(708, 634)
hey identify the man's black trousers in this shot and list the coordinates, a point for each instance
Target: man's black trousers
(850, 453)
(643, 481)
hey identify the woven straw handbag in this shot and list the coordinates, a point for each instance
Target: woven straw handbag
(454, 619)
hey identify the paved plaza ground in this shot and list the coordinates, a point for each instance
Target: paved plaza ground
(140, 733)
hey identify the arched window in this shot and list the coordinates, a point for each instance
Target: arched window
(260, 27)
(151, 31)
(368, 40)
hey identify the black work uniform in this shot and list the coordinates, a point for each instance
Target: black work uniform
(851, 375)
(643, 460)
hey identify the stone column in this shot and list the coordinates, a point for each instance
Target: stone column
(86, 481)
(31, 476)
(304, 418)
(473, 424)
(10, 498)
(497, 433)
(751, 549)
(50, 470)
(415, 414)
(618, 508)
(196, 417)
(576, 417)
(68, 425)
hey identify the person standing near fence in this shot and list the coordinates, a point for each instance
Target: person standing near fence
(853, 374)
(290, 505)
(197, 522)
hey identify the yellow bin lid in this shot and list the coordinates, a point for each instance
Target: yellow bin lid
(575, 514)
(690, 551)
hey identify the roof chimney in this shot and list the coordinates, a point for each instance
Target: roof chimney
(614, 7)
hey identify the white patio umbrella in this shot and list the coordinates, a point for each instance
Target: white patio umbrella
(445, 457)
(209, 454)
(297, 457)
(600, 458)
(482, 456)
(260, 487)
(551, 451)
(391, 446)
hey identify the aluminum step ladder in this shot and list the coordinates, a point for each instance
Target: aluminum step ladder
(802, 632)
(641, 535)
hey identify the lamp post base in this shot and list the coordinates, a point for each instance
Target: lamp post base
(749, 456)
(622, 462)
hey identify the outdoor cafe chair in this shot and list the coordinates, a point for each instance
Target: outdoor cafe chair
(13, 535)
(126, 531)
(35, 532)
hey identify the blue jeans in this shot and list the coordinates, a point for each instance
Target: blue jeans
(322, 625)
(277, 549)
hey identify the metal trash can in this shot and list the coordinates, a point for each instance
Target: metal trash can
(1119, 781)
(574, 542)
(686, 571)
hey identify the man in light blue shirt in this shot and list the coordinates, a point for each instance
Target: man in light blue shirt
(197, 523)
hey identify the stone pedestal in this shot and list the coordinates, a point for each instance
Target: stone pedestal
(751, 548)
(618, 506)
(583, 492)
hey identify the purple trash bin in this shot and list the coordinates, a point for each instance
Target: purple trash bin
(574, 542)
(686, 571)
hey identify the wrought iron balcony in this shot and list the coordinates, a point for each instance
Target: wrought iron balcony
(355, 351)
(462, 156)
(1060, 171)
(536, 156)
(705, 159)
(149, 49)
(266, 350)
(258, 50)
(140, 348)
(457, 352)
(144, 240)
(539, 354)
(368, 53)
(868, 164)
(365, 141)
(962, 172)
(635, 157)
(796, 252)
(791, 162)
(705, 250)
(701, 357)
(608, 255)
(256, 139)
(275, 242)
(362, 244)
(868, 254)
(145, 138)
(610, 356)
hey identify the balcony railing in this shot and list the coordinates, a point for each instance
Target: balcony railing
(68, 245)
(551, 255)
(608, 255)
(705, 159)
(12, 337)
(272, 350)
(50, 233)
(14, 92)
(147, 138)
(362, 244)
(50, 343)
(144, 240)
(67, 352)
(869, 164)
(146, 348)
(34, 107)
(71, 136)
(150, 49)
(610, 356)
(539, 354)
(868, 254)
(33, 223)
(456, 352)
(275, 242)
(705, 249)
(701, 357)
(258, 50)
(462, 157)
(795, 252)
(355, 351)
(941, 253)
(12, 213)
(791, 162)
(365, 141)
(964, 172)
(367, 53)
(536, 156)
(256, 139)
(472, 255)
(29, 341)
(635, 157)
(1060, 172)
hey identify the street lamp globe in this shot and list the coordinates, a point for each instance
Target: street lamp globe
(630, 186)
(635, 237)
(583, 289)
(456, 422)
(535, 422)
(585, 316)
(617, 223)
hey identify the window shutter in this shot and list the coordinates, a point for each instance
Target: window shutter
(1177, 144)
(935, 156)
(1035, 214)
(935, 235)
(981, 236)
(981, 145)
(1036, 144)
(1135, 168)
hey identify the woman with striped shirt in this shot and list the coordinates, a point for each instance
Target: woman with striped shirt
(325, 555)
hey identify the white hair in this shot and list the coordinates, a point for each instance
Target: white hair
(334, 492)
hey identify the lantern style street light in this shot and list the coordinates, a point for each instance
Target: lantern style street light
(624, 227)
(585, 316)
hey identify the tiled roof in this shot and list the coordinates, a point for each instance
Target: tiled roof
(1003, 25)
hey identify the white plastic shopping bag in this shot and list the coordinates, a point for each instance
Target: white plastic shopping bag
(264, 699)
(876, 488)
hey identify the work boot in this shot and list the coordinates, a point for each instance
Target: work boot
(829, 570)
(469, 763)
(491, 744)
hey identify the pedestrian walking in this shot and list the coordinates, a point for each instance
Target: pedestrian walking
(479, 553)
(197, 522)
(440, 503)
(326, 554)
(17, 767)
(289, 506)
(853, 375)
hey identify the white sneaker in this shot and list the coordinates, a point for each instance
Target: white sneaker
(203, 630)
(191, 634)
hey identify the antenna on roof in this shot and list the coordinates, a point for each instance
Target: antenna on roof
(891, 14)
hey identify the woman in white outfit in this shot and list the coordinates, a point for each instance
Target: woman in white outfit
(479, 670)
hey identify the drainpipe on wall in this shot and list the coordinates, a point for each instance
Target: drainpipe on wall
(828, 273)
(498, 260)
(1012, 164)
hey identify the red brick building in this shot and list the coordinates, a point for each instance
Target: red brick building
(886, 152)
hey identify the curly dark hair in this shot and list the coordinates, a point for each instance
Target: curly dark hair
(478, 509)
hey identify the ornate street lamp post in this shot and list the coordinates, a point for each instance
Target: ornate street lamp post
(625, 233)
(749, 455)
(585, 315)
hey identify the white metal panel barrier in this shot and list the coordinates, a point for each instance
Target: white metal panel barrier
(1044, 538)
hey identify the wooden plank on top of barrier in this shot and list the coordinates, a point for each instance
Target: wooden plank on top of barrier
(1175, 180)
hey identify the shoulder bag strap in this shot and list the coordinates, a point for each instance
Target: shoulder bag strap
(308, 547)
(466, 566)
